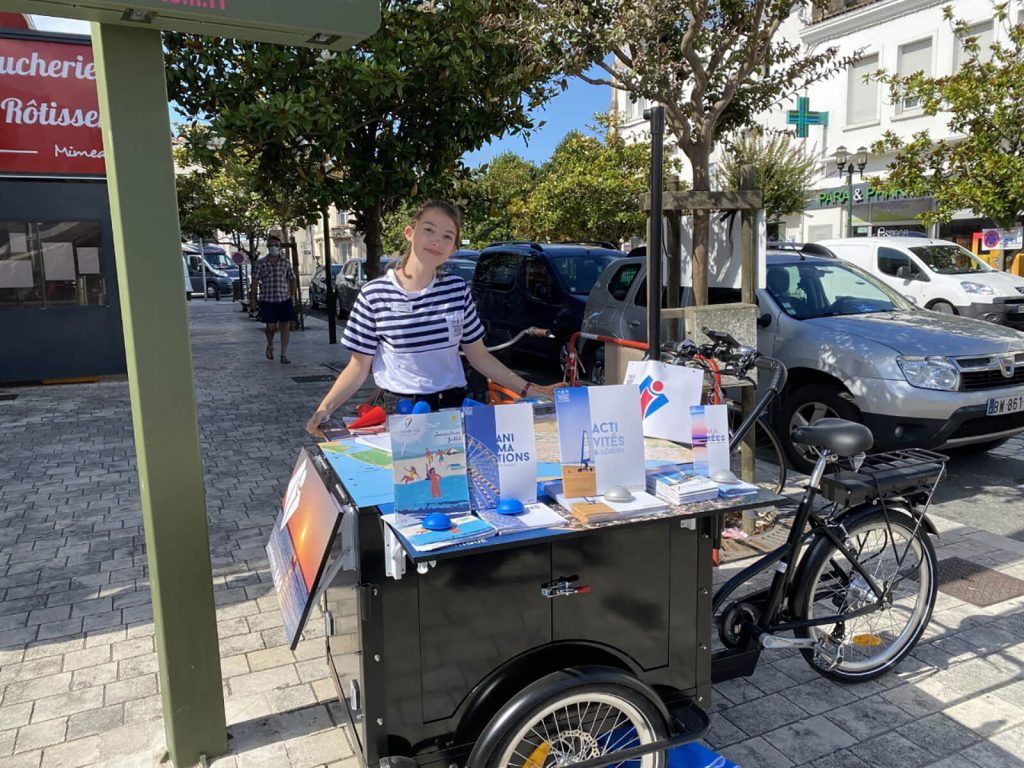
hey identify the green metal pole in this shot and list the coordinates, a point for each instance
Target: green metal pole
(849, 202)
(143, 205)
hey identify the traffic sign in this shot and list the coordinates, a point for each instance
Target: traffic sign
(1002, 239)
(334, 24)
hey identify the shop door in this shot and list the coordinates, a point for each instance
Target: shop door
(627, 607)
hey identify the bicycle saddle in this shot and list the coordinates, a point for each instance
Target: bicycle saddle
(847, 438)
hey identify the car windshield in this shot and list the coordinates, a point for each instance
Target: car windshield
(949, 259)
(806, 290)
(219, 260)
(465, 271)
(580, 272)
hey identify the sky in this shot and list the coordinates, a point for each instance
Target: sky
(572, 109)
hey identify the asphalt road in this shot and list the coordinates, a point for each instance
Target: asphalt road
(982, 489)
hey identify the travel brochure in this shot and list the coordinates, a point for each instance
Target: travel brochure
(588, 509)
(677, 486)
(535, 517)
(465, 529)
(501, 449)
(428, 457)
(709, 425)
(600, 438)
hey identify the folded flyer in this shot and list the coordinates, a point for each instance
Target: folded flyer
(465, 529)
(594, 507)
(535, 517)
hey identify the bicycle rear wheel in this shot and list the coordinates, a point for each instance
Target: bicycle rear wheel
(901, 559)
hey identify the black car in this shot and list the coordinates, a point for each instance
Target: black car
(318, 286)
(351, 279)
(466, 254)
(463, 268)
(519, 284)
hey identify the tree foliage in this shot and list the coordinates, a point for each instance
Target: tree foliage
(982, 166)
(786, 170)
(373, 126)
(713, 64)
(493, 200)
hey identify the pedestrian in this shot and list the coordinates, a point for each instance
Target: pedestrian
(407, 327)
(273, 290)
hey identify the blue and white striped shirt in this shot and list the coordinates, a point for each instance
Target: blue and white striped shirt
(414, 337)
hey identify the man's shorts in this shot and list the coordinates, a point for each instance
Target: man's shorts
(277, 312)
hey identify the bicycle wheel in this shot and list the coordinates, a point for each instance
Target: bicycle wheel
(582, 723)
(902, 561)
(769, 459)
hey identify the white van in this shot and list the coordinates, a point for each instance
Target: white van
(938, 275)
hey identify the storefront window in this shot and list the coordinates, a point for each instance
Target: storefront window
(51, 263)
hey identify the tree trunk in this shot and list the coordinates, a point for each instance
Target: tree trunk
(372, 239)
(700, 160)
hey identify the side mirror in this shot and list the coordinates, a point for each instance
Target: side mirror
(904, 273)
(763, 321)
(911, 299)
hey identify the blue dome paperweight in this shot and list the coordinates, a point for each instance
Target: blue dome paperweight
(421, 407)
(510, 507)
(437, 521)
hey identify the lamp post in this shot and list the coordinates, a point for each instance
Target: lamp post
(846, 164)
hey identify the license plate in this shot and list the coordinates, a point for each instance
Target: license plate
(997, 406)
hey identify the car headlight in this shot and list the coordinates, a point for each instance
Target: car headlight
(930, 372)
(970, 287)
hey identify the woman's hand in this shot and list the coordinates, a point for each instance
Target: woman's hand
(318, 418)
(546, 391)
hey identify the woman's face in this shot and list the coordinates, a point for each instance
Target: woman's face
(433, 238)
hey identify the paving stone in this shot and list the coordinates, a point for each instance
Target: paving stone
(261, 682)
(67, 704)
(818, 696)
(7, 742)
(37, 688)
(126, 690)
(95, 721)
(130, 648)
(89, 657)
(809, 739)
(38, 735)
(269, 658)
(49, 665)
(986, 715)
(939, 734)
(765, 714)
(24, 760)
(756, 752)
(863, 719)
(90, 677)
(891, 749)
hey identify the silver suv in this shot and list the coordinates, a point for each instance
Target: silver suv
(858, 350)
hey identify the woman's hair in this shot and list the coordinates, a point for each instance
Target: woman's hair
(434, 205)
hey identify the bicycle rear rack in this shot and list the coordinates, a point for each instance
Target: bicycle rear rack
(902, 472)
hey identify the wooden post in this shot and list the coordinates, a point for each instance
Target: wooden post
(748, 287)
(673, 239)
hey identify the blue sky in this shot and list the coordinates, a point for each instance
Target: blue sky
(573, 109)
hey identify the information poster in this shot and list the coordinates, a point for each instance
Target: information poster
(428, 455)
(710, 427)
(501, 450)
(299, 544)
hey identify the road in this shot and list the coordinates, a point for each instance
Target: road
(984, 490)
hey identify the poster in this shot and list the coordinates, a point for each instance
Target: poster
(600, 438)
(501, 454)
(16, 273)
(428, 455)
(58, 261)
(88, 261)
(710, 427)
(666, 394)
(299, 543)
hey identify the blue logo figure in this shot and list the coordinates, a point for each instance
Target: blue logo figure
(652, 396)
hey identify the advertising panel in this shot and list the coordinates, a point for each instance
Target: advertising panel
(49, 109)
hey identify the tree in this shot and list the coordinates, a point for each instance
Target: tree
(713, 64)
(589, 189)
(786, 170)
(382, 122)
(982, 168)
(494, 199)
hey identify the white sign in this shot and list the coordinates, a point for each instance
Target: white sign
(1002, 239)
(88, 261)
(16, 274)
(59, 261)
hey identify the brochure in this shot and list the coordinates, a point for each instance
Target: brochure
(429, 464)
(710, 427)
(501, 454)
(465, 529)
(600, 438)
(535, 517)
(677, 486)
(732, 490)
(597, 507)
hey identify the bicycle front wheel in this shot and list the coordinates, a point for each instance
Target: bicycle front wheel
(900, 558)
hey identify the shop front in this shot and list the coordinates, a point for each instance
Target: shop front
(876, 213)
(59, 306)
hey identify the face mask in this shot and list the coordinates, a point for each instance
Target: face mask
(274, 250)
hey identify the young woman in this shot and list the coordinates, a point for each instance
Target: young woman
(407, 327)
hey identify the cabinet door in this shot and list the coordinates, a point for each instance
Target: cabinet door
(627, 569)
(476, 613)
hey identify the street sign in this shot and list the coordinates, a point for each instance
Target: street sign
(1002, 239)
(334, 24)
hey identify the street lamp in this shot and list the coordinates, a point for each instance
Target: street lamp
(846, 164)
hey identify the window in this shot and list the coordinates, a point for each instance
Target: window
(539, 281)
(51, 263)
(949, 259)
(346, 251)
(579, 273)
(985, 33)
(809, 290)
(862, 97)
(619, 284)
(914, 57)
(497, 271)
(890, 260)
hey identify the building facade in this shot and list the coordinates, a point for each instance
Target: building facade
(345, 242)
(899, 36)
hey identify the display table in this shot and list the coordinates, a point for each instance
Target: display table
(423, 656)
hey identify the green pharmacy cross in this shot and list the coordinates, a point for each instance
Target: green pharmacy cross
(802, 117)
(334, 24)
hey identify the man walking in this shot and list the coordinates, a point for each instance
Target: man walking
(273, 286)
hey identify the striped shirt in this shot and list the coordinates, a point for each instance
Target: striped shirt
(414, 337)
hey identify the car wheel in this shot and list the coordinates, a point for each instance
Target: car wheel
(806, 405)
(211, 291)
(944, 307)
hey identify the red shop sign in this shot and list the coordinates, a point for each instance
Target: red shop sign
(49, 109)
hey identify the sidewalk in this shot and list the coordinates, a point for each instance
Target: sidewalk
(77, 663)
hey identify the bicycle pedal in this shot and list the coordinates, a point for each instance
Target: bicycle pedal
(828, 654)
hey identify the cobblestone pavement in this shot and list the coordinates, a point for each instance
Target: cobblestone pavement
(78, 682)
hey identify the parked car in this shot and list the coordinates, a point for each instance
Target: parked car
(318, 285)
(857, 349)
(467, 254)
(464, 268)
(218, 282)
(938, 275)
(188, 279)
(519, 284)
(351, 279)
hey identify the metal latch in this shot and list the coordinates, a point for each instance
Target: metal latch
(564, 587)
